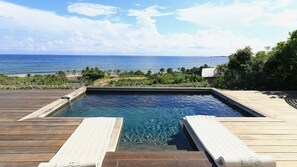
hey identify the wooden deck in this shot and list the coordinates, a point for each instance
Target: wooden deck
(275, 134)
(27, 143)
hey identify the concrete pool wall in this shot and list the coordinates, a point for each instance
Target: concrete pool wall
(56, 105)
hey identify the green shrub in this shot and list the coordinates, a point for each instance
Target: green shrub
(38, 82)
(137, 73)
(274, 69)
(92, 74)
(130, 82)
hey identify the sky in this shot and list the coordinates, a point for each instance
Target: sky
(143, 27)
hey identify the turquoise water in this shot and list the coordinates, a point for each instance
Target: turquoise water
(43, 64)
(151, 121)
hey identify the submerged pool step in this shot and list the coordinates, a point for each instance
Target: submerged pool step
(156, 159)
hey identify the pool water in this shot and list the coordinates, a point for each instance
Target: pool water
(151, 121)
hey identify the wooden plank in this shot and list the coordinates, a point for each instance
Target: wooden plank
(40, 128)
(247, 119)
(56, 119)
(28, 150)
(37, 124)
(270, 142)
(275, 149)
(32, 143)
(34, 137)
(265, 132)
(281, 156)
(40, 157)
(256, 127)
(36, 132)
(13, 114)
(19, 164)
(255, 123)
(267, 137)
(286, 163)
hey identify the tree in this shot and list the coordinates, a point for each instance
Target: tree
(92, 74)
(237, 73)
(281, 67)
(183, 70)
(169, 70)
(261, 56)
(239, 59)
(149, 72)
(273, 69)
(162, 70)
(74, 72)
(61, 74)
(138, 73)
(117, 71)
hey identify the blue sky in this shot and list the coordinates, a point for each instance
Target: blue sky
(137, 27)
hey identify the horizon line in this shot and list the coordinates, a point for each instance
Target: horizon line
(132, 55)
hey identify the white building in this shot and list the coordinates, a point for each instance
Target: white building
(208, 72)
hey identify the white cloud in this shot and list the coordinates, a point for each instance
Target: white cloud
(224, 41)
(285, 19)
(76, 32)
(91, 9)
(24, 30)
(152, 11)
(210, 14)
(282, 3)
(144, 17)
(241, 13)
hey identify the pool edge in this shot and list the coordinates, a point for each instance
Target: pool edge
(64, 100)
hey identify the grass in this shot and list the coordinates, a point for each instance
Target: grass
(146, 82)
(38, 82)
(97, 77)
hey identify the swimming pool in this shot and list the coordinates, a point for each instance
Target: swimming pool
(151, 120)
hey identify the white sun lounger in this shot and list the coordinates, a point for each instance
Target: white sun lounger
(226, 149)
(87, 146)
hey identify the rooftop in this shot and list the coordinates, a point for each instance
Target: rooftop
(208, 72)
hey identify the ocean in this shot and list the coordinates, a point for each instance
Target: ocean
(46, 64)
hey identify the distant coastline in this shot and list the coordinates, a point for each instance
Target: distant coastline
(22, 64)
